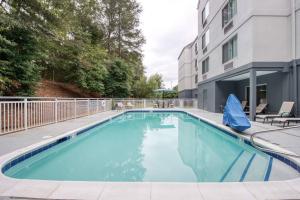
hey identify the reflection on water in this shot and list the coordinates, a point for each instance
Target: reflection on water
(147, 146)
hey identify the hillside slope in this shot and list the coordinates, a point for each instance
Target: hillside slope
(54, 89)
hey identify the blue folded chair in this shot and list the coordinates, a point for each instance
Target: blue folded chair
(234, 116)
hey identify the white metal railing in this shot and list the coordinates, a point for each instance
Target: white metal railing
(160, 103)
(20, 113)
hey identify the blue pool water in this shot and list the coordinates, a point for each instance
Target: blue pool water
(152, 146)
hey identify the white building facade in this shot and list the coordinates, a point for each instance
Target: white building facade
(250, 48)
(188, 71)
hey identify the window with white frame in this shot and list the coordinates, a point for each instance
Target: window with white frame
(196, 78)
(205, 13)
(205, 65)
(196, 65)
(228, 12)
(205, 39)
(230, 49)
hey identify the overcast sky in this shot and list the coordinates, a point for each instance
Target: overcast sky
(168, 25)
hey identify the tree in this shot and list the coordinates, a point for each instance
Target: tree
(117, 83)
(90, 43)
(123, 36)
(145, 88)
(18, 49)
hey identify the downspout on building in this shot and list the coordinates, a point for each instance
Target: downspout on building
(294, 63)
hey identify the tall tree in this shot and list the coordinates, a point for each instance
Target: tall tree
(118, 79)
(123, 35)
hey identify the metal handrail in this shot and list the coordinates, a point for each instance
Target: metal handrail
(257, 146)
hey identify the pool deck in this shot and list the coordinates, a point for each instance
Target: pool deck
(15, 143)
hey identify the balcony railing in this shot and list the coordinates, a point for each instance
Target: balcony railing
(21, 113)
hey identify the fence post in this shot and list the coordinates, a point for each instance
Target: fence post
(111, 104)
(75, 108)
(25, 113)
(55, 111)
(181, 103)
(97, 101)
(144, 103)
(88, 106)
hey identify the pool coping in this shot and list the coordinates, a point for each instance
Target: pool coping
(73, 185)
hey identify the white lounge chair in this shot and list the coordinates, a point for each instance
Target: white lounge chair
(120, 106)
(129, 105)
(171, 105)
(259, 109)
(285, 121)
(244, 104)
(155, 104)
(285, 111)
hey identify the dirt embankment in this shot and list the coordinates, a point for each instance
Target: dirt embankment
(54, 89)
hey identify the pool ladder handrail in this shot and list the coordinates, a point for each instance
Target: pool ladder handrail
(257, 146)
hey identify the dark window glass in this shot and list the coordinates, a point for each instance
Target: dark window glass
(228, 12)
(229, 49)
(205, 65)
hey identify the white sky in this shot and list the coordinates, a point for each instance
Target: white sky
(168, 25)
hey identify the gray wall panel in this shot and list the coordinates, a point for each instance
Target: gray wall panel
(209, 105)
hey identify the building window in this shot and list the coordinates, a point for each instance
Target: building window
(205, 65)
(196, 65)
(228, 12)
(230, 49)
(196, 78)
(205, 13)
(205, 39)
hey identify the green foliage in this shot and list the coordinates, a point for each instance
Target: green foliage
(172, 95)
(95, 44)
(117, 82)
(19, 72)
(145, 88)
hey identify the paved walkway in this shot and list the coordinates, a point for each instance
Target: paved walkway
(288, 138)
(21, 139)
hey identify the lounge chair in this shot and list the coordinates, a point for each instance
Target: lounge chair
(285, 121)
(171, 104)
(120, 106)
(244, 104)
(285, 111)
(129, 105)
(155, 104)
(259, 109)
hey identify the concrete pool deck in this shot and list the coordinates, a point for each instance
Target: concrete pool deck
(13, 144)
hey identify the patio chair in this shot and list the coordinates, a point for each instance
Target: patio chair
(285, 111)
(285, 120)
(259, 109)
(120, 106)
(171, 104)
(129, 105)
(155, 104)
(244, 104)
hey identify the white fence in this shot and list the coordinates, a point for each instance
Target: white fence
(158, 103)
(20, 114)
(17, 113)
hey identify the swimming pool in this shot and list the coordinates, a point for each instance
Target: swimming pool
(150, 147)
